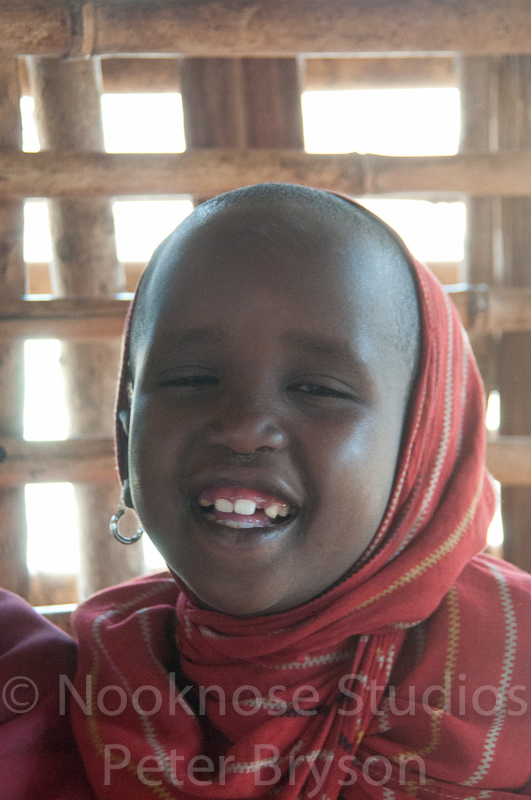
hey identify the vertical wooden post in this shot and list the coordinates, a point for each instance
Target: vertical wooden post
(514, 131)
(13, 569)
(68, 114)
(242, 102)
(477, 77)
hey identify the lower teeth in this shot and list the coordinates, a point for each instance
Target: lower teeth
(232, 523)
(229, 523)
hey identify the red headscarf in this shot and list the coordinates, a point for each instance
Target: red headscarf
(408, 678)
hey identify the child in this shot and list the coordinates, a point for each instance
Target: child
(301, 432)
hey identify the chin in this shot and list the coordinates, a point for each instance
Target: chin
(235, 608)
(244, 605)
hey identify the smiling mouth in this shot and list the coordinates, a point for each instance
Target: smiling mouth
(238, 507)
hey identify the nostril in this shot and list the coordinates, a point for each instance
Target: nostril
(246, 436)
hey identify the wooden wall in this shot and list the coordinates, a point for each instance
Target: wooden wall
(241, 67)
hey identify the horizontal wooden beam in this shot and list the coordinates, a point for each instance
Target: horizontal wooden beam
(60, 615)
(448, 272)
(73, 460)
(508, 308)
(263, 27)
(319, 74)
(210, 172)
(493, 309)
(509, 459)
(163, 74)
(377, 73)
(39, 278)
(482, 309)
(63, 318)
(87, 460)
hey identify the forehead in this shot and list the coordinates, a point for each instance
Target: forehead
(321, 258)
(272, 271)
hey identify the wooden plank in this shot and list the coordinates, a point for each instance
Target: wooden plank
(85, 460)
(152, 74)
(325, 74)
(140, 75)
(52, 588)
(68, 117)
(514, 132)
(63, 318)
(210, 172)
(320, 74)
(13, 568)
(91, 459)
(508, 309)
(264, 27)
(241, 103)
(447, 272)
(509, 459)
(35, 26)
(477, 83)
(60, 615)
(493, 310)
(39, 275)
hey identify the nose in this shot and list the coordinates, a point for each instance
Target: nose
(247, 425)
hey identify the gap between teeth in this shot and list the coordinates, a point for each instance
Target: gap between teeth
(246, 507)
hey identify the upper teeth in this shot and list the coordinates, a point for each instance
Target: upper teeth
(277, 511)
(246, 507)
(224, 505)
(241, 506)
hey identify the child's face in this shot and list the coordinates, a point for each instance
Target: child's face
(264, 375)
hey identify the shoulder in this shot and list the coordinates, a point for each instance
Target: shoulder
(483, 624)
(29, 641)
(493, 586)
(126, 599)
(114, 617)
(38, 755)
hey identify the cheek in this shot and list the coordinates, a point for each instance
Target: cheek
(356, 470)
(152, 454)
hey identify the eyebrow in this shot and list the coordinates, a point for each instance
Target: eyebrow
(192, 337)
(338, 350)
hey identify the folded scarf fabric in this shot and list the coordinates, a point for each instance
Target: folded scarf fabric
(407, 678)
(38, 756)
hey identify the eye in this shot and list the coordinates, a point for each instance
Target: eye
(321, 390)
(190, 380)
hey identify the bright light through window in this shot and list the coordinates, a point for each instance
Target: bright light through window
(432, 231)
(495, 532)
(143, 123)
(141, 225)
(30, 138)
(493, 411)
(152, 557)
(37, 241)
(53, 543)
(45, 414)
(393, 122)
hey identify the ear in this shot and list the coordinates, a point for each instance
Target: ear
(122, 443)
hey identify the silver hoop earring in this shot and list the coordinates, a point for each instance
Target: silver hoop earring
(114, 527)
